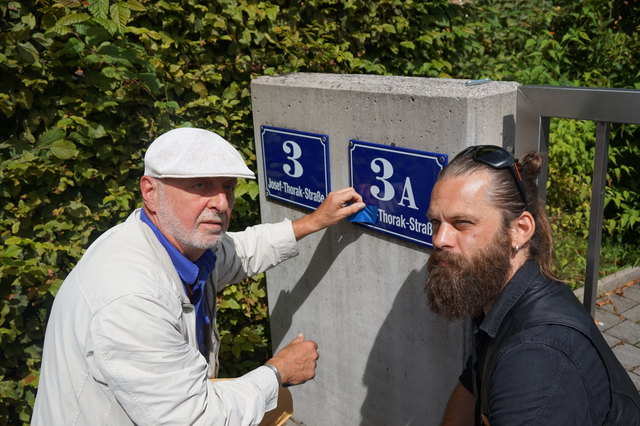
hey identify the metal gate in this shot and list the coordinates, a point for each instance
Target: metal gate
(536, 105)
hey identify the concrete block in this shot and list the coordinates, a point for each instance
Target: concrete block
(628, 355)
(611, 341)
(633, 314)
(384, 357)
(617, 304)
(627, 331)
(632, 292)
(606, 319)
(616, 281)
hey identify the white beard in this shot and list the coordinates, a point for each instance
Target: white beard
(188, 239)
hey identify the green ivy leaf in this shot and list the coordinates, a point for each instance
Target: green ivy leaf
(99, 8)
(136, 5)
(64, 149)
(120, 15)
(52, 135)
(108, 24)
(74, 46)
(28, 52)
(74, 18)
(151, 81)
(77, 209)
(96, 131)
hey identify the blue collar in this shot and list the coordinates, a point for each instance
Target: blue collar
(187, 270)
(194, 277)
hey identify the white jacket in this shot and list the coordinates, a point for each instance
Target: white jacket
(120, 345)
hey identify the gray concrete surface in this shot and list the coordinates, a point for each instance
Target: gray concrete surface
(384, 357)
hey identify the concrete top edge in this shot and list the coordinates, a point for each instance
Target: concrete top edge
(419, 86)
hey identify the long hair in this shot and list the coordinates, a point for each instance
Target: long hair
(505, 196)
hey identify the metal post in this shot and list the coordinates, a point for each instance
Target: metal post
(545, 124)
(596, 216)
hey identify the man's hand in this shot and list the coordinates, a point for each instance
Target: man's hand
(296, 362)
(337, 206)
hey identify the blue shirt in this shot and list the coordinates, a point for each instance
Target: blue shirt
(193, 275)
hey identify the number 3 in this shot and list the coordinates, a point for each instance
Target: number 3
(290, 147)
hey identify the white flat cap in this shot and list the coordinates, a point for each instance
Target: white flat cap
(187, 152)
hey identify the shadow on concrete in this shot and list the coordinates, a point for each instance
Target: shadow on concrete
(289, 301)
(414, 362)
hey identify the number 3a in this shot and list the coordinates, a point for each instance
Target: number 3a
(292, 148)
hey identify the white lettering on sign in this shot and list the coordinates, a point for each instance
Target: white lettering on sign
(407, 194)
(421, 227)
(387, 171)
(274, 184)
(296, 191)
(291, 147)
(400, 221)
(383, 165)
(292, 190)
(392, 219)
(316, 196)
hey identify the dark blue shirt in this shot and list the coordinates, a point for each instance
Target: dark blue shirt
(545, 374)
(193, 275)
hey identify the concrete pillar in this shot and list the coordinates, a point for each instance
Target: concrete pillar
(385, 358)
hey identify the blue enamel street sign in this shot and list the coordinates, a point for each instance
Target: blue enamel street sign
(296, 166)
(399, 182)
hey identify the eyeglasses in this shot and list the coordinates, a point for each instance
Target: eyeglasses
(498, 158)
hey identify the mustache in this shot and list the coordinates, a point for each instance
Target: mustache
(451, 259)
(211, 216)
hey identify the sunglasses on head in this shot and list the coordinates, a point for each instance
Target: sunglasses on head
(498, 158)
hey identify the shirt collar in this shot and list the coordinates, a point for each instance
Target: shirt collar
(512, 292)
(187, 270)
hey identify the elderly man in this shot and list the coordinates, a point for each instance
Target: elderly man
(132, 336)
(538, 358)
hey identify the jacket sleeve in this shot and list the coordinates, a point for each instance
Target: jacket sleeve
(158, 378)
(254, 250)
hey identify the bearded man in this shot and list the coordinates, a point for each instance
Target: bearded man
(538, 357)
(132, 334)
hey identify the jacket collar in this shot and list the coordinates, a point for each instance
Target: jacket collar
(512, 292)
(187, 269)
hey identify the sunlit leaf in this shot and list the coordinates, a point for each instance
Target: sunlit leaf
(52, 135)
(64, 149)
(136, 5)
(73, 18)
(120, 15)
(99, 8)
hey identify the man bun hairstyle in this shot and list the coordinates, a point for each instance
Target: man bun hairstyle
(541, 243)
(506, 196)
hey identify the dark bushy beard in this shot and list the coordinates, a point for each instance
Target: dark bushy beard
(466, 286)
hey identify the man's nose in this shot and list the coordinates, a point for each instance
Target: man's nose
(443, 237)
(218, 201)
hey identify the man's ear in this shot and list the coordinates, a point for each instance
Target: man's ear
(149, 191)
(522, 229)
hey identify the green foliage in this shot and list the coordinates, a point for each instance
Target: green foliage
(591, 44)
(571, 252)
(570, 175)
(244, 326)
